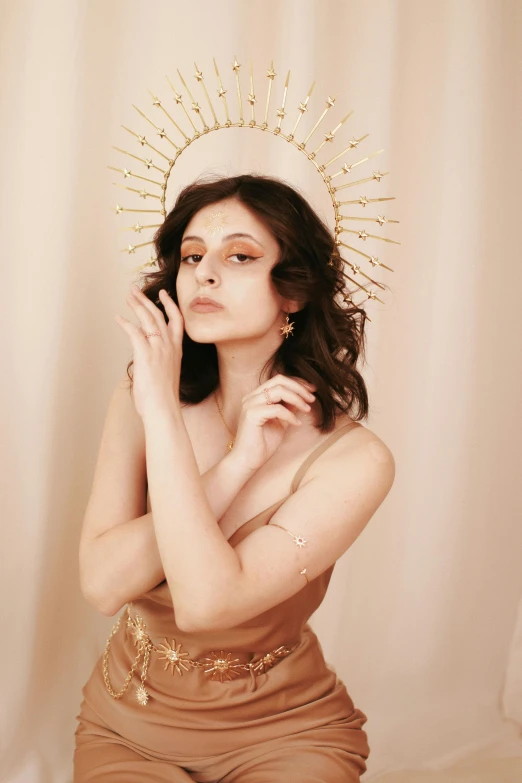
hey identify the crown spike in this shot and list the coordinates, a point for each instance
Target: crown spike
(138, 228)
(363, 200)
(281, 112)
(346, 169)
(302, 108)
(380, 219)
(199, 77)
(161, 131)
(353, 143)
(330, 136)
(222, 94)
(371, 294)
(179, 100)
(126, 173)
(376, 175)
(156, 102)
(374, 261)
(143, 141)
(271, 74)
(252, 96)
(195, 105)
(235, 67)
(358, 271)
(329, 103)
(150, 262)
(142, 193)
(126, 209)
(363, 235)
(131, 248)
(147, 161)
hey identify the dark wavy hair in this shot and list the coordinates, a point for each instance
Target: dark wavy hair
(328, 337)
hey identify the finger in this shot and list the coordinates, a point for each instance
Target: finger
(136, 336)
(176, 322)
(268, 412)
(150, 316)
(299, 384)
(280, 392)
(288, 382)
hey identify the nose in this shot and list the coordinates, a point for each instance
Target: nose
(206, 271)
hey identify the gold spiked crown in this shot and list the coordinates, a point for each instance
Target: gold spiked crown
(185, 137)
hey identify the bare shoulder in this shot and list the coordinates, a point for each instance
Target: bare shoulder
(359, 453)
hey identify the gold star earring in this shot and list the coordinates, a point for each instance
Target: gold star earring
(288, 327)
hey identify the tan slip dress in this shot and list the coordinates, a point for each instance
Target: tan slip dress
(294, 722)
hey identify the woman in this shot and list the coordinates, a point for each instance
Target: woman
(243, 431)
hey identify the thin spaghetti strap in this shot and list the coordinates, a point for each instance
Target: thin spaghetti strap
(319, 450)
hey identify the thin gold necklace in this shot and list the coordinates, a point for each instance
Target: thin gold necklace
(231, 442)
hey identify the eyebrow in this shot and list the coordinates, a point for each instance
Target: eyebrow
(224, 239)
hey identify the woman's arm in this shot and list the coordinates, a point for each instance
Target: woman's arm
(125, 560)
(119, 558)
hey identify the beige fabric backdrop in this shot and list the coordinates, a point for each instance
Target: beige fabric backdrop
(421, 617)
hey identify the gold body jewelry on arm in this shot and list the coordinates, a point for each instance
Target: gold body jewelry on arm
(298, 540)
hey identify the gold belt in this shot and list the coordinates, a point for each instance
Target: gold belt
(222, 665)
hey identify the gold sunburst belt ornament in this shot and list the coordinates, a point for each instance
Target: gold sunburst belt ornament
(220, 665)
(192, 123)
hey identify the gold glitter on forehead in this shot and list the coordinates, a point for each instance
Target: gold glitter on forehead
(215, 223)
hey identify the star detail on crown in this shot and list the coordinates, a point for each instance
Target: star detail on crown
(221, 92)
(173, 656)
(251, 98)
(236, 66)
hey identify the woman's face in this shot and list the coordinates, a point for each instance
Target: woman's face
(227, 254)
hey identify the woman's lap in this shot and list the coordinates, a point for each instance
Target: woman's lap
(325, 754)
(101, 760)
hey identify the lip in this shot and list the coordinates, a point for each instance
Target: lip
(205, 304)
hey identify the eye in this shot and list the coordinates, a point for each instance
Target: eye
(194, 255)
(242, 257)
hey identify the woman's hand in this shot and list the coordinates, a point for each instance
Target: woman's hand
(262, 424)
(157, 359)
